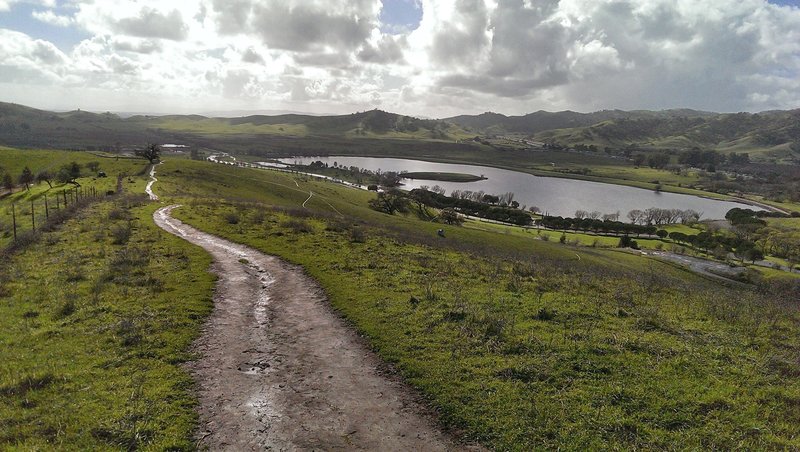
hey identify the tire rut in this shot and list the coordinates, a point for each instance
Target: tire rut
(278, 370)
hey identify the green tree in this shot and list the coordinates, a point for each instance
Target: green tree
(452, 217)
(151, 152)
(390, 202)
(68, 174)
(753, 255)
(7, 181)
(45, 176)
(26, 178)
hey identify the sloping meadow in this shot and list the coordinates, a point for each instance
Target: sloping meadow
(96, 318)
(534, 344)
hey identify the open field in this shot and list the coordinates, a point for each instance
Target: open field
(512, 339)
(95, 321)
(14, 160)
(638, 354)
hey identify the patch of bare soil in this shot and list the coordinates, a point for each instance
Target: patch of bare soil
(279, 370)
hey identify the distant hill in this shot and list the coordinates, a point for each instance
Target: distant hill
(540, 121)
(25, 126)
(774, 133)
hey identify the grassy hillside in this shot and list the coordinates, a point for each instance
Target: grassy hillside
(774, 134)
(514, 340)
(12, 161)
(96, 318)
(540, 121)
(24, 126)
(520, 341)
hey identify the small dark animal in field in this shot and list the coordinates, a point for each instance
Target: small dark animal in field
(440, 232)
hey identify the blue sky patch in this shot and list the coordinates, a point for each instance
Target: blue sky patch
(20, 18)
(400, 15)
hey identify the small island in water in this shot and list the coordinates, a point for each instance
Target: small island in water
(444, 177)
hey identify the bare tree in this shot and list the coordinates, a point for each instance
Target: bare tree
(635, 216)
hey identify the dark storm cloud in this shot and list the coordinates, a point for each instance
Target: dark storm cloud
(305, 28)
(388, 50)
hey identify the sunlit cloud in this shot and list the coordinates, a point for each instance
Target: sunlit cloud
(423, 57)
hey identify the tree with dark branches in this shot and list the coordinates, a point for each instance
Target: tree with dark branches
(151, 152)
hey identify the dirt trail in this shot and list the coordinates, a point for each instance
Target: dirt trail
(149, 188)
(279, 370)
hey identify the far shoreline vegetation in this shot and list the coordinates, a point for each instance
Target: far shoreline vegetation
(443, 177)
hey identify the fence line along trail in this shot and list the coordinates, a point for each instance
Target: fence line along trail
(277, 369)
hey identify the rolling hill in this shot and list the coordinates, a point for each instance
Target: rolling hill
(773, 133)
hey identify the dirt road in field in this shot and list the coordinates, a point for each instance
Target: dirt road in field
(278, 370)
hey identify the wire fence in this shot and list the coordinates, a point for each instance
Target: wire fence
(36, 213)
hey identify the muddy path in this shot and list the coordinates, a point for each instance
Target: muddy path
(278, 370)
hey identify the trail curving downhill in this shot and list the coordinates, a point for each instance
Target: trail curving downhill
(149, 188)
(310, 195)
(278, 369)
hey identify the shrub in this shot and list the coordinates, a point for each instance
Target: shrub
(298, 226)
(357, 235)
(626, 242)
(121, 233)
(66, 309)
(258, 217)
(337, 225)
(232, 218)
(118, 214)
(545, 314)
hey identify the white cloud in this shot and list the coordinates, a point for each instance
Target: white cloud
(50, 17)
(5, 5)
(465, 55)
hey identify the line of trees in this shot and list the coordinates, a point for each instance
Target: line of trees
(659, 216)
(504, 200)
(466, 206)
(596, 225)
(720, 245)
(359, 175)
(67, 174)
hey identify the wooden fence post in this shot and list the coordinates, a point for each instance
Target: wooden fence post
(46, 209)
(33, 217)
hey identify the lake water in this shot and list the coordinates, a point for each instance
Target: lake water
(556, 196)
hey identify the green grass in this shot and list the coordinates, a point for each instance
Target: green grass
(13, 160)
(520, 342)
(219, 126)
(93, 334)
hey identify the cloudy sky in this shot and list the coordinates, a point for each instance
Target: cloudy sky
(430, 58)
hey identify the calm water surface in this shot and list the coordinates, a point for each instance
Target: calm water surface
(553, 195)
